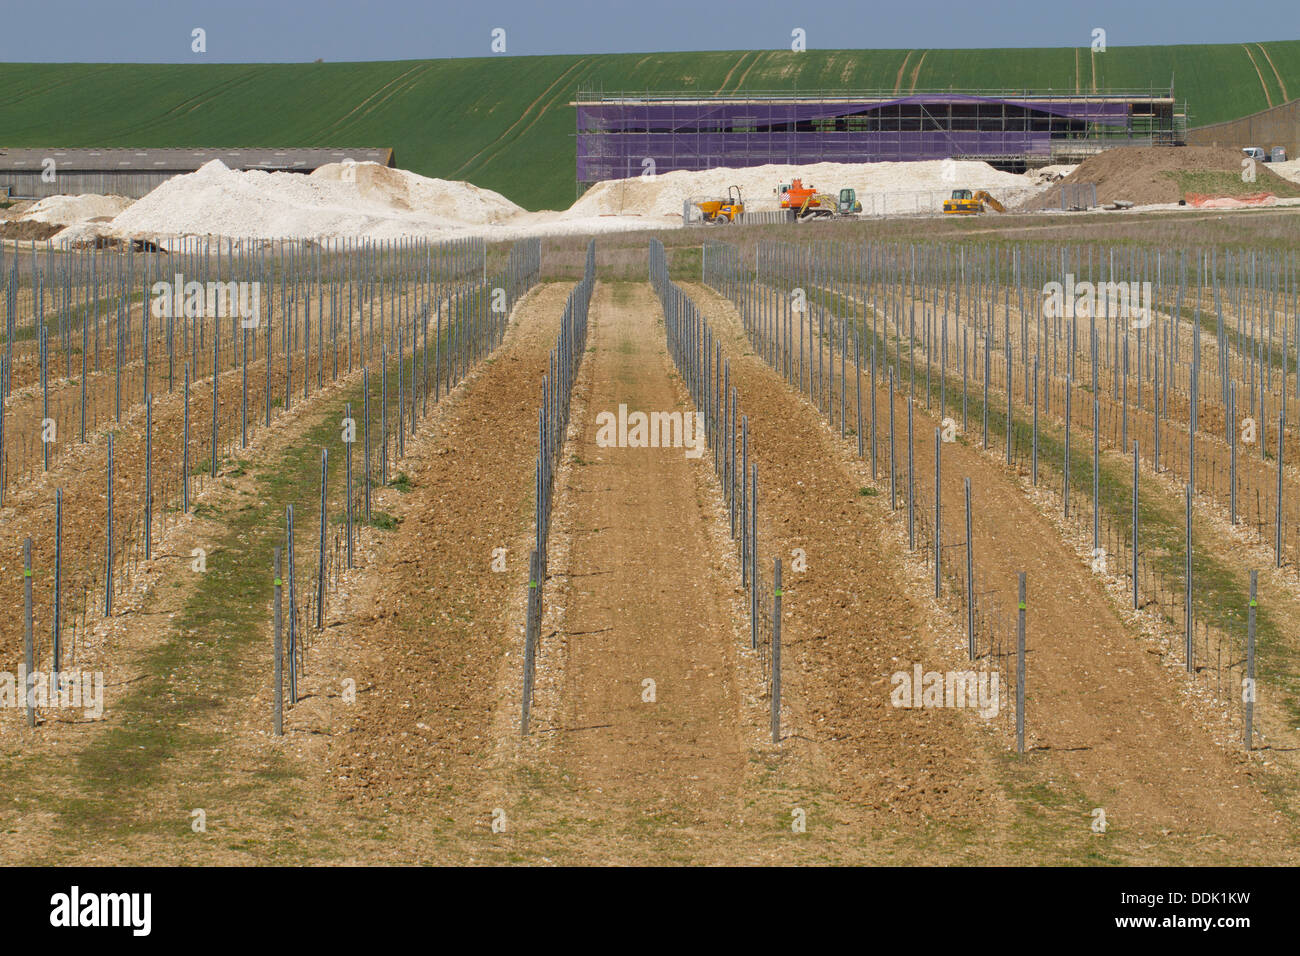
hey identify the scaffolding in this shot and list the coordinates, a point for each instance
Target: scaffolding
(621, 135)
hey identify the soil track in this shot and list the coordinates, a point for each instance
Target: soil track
(647, 600)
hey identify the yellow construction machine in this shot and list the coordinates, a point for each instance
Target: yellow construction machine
(727, 210)
(966, 203)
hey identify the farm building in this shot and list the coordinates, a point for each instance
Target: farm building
(618, 132)
(30, 174)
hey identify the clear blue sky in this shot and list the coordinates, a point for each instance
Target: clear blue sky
(158, 31)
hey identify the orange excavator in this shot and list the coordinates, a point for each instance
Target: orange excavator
(808, 203)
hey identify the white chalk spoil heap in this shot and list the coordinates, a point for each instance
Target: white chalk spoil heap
(352, 199)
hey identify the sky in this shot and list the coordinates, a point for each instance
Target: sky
(253, 31)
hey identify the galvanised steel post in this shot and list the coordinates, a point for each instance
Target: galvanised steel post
(278, 651)
(1033, 468)
(911, 482)
(1069, 401)
(365, 427)
(753, 560)
(1096, 475)
(58, 584)
(970, 579)
(1248, 690)
(1020, 665)
(1277, 518)
(108, 536)
(293, 607)
(185, 447)
(29, 660)
(1187, 597)
(1135, 525)
(530, 640)
(776, 652)
(893, 467)
(148, 477)
(347, 413)
(1232, 452)
(216, 335)
(744, 501)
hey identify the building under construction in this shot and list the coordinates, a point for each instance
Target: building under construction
(1013, 130)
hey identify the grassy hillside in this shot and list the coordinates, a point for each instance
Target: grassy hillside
(504, 122)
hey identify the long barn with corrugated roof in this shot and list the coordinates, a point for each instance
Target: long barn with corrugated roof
(37, 173)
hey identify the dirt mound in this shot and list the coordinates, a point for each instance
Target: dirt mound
(1165, 174)
(86, 207)
(28, 229)
(15, 208)
(404, 190)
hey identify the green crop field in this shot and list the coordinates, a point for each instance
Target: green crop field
(505, 123)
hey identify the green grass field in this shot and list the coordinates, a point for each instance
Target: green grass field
(504, 122)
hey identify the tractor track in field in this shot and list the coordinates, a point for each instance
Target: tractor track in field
(501, 141)
(902, 69)
(367, 104)
(1268, 97)
(1286, 98)
(734, 67)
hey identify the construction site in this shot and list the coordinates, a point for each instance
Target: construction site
(889, 478)
(1010, 129)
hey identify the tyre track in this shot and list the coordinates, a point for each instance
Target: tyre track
(1268, 97)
